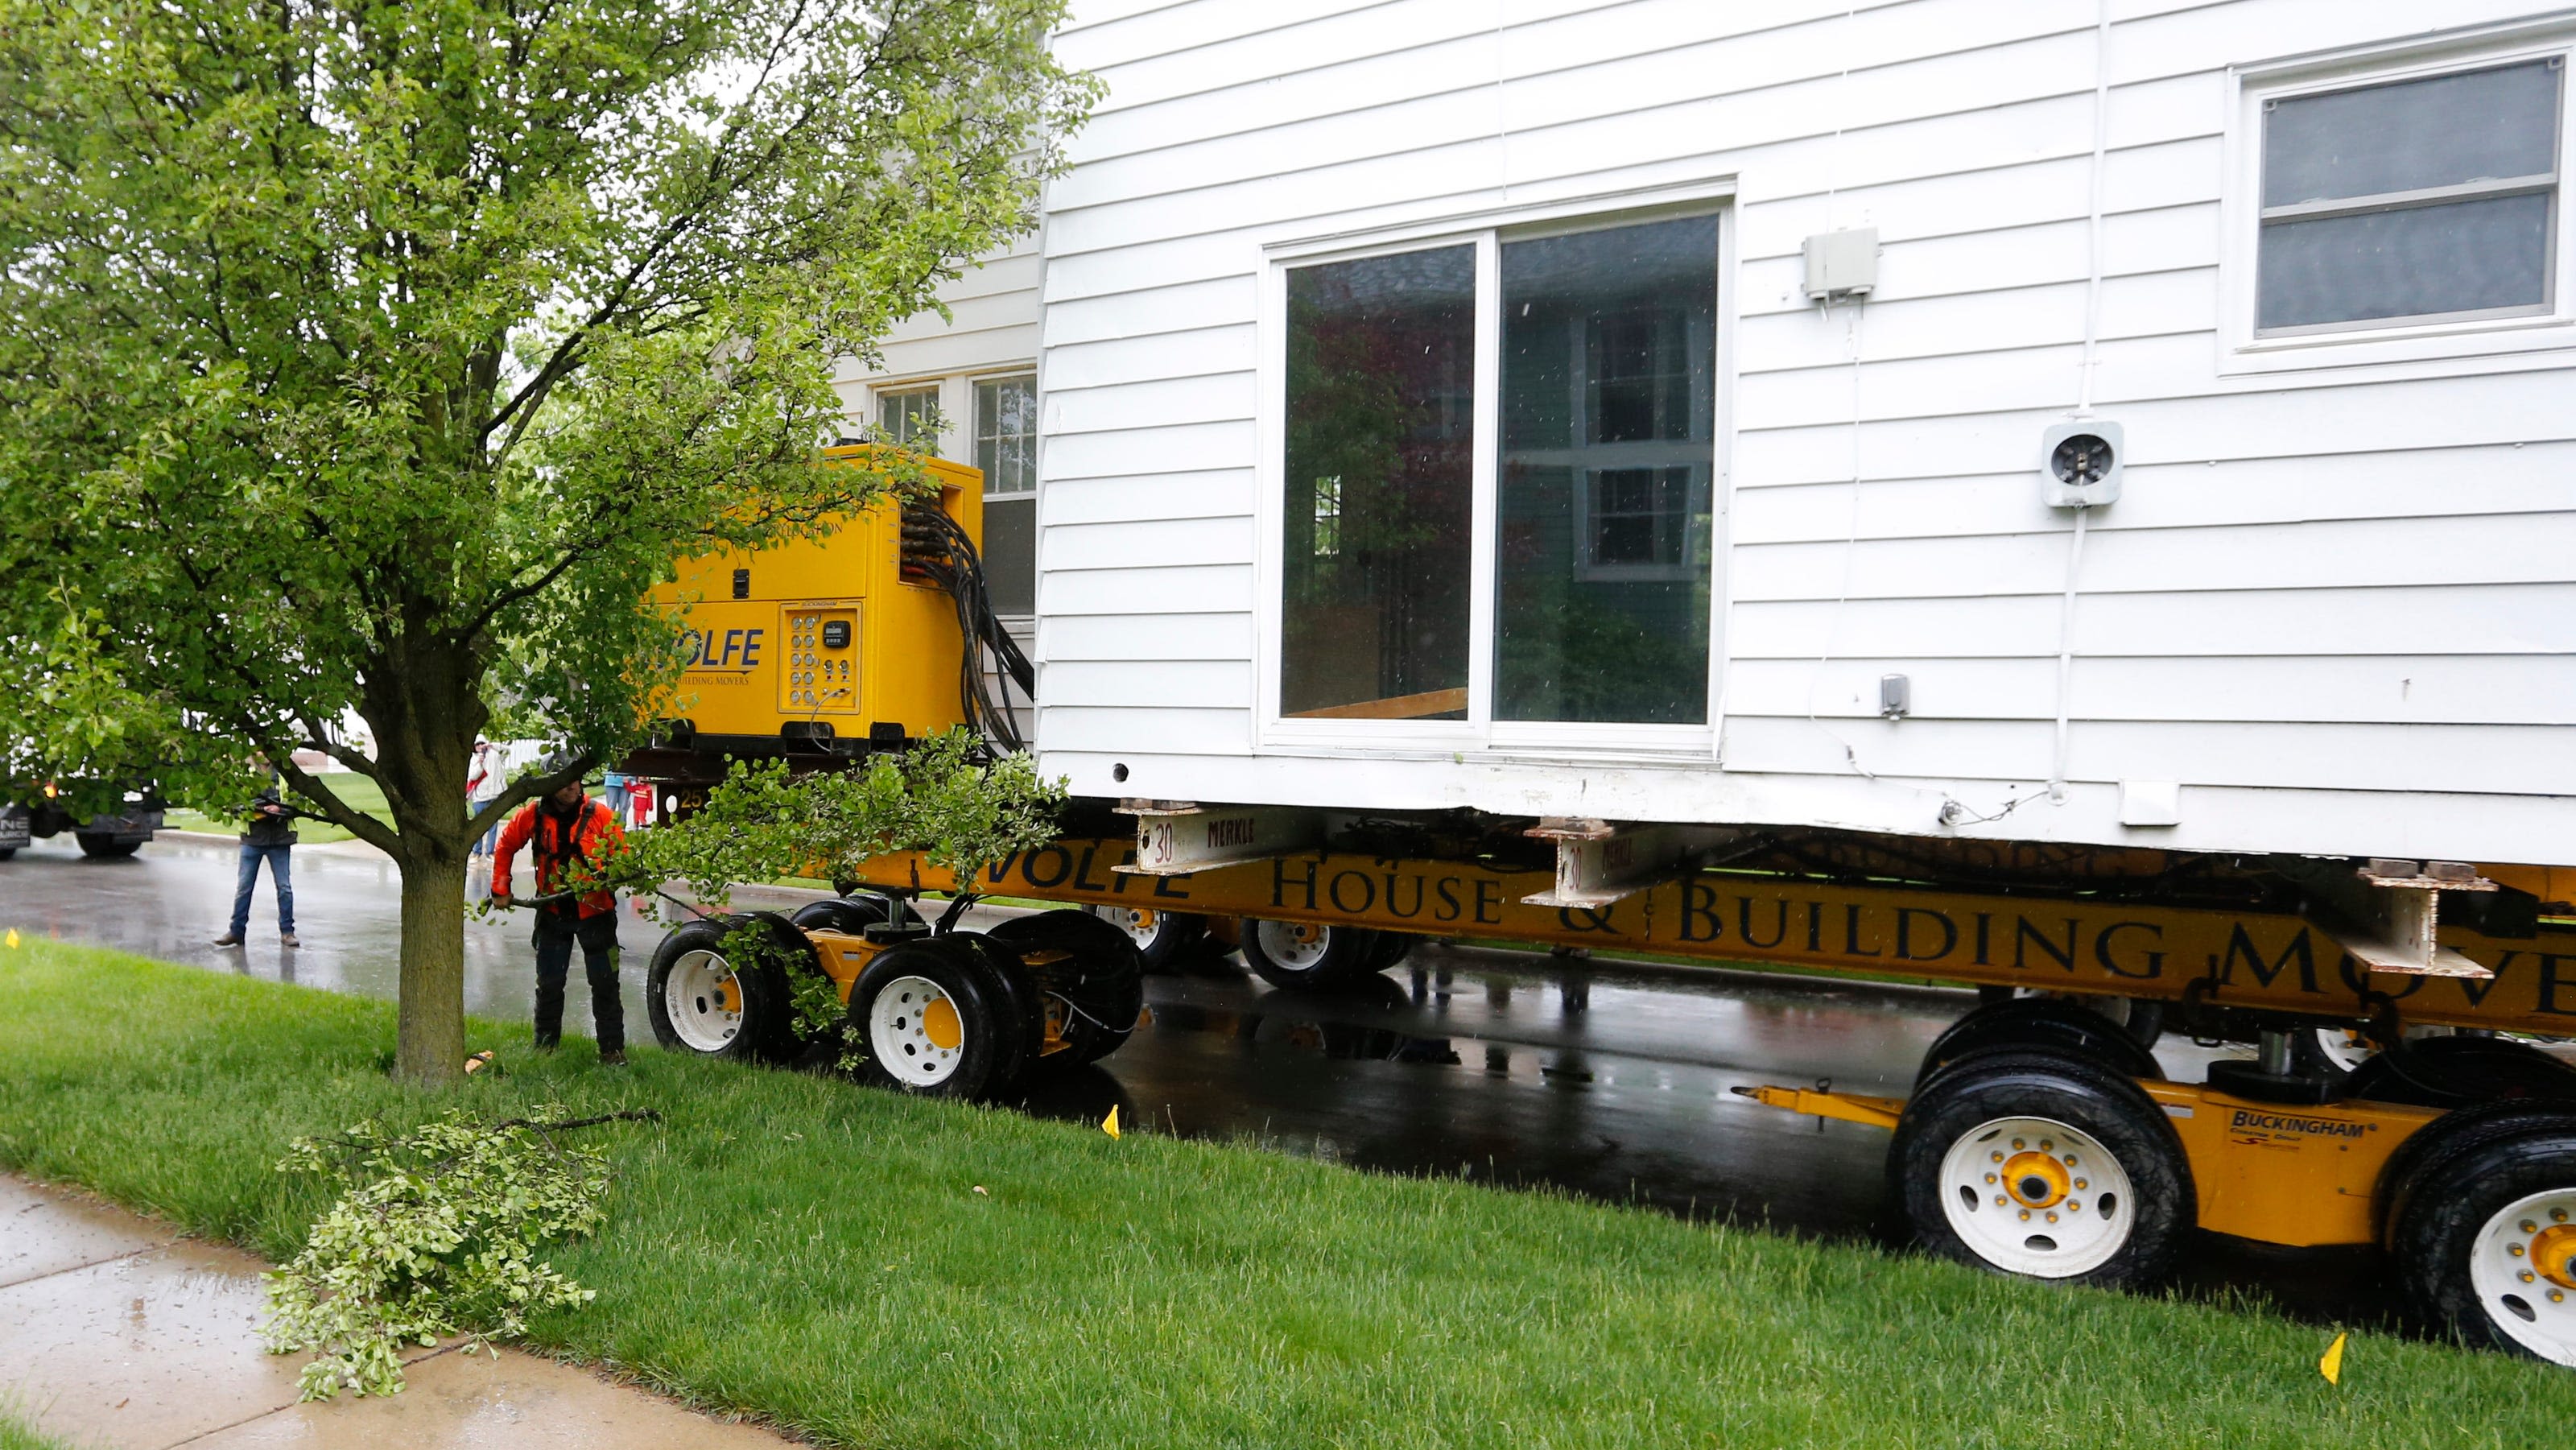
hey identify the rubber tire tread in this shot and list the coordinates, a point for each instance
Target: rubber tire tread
(2429, 1243)
(1021, 1040)
(960, 973)
(2040, 1023)
(763, 996)
(104, 848)
(1349, 952)
(2429, 1152)
(1105, 984)
(2462, 1071)
(2111, 1108)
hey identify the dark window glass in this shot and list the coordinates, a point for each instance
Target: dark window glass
(1011, 554)
(2480, 125)
(2349, 233)
(2416, 262)
(1609, 418)
(1380, 421)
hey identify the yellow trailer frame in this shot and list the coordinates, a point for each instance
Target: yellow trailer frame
(2070, 943)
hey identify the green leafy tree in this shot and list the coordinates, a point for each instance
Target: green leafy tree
(378, 358)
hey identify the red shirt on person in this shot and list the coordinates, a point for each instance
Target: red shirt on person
(592, 835)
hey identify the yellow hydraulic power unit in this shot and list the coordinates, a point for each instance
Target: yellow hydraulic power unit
(860, 640)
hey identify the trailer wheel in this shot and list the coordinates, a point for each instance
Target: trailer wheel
(1392, 948)
(1161, 937)
(1308, 954)
(2491, 1255)
(2143, 1018)
(699, 1003)
(2042, 1165)
(2425, 1158)
(7, 851)
(927, 1022)
(2053, 1024)
(1092, 967)
(2452, 1072)
(1020, 1035)
(99, 846)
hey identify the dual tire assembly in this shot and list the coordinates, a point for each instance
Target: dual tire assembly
(2028, 1147)
(955, 1015)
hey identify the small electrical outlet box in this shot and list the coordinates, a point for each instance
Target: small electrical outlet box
(1895, 696)
(2079, 463)
(1842, 264)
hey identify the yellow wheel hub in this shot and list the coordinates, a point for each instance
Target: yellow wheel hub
(729, 995)
(2037, 1180)
(939, 1023)
(2553, 1254)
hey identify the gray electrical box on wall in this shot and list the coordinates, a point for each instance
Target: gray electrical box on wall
(2079, 464)
(1842, 264)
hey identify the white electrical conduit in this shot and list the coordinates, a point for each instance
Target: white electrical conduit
(2084, 387)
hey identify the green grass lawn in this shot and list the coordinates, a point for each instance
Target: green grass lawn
(356, 790)
(818, 1254)
(17, 1434)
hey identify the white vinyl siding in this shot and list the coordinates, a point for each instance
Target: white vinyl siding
(2322, 588)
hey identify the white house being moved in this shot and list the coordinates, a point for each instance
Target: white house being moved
(2145, 422)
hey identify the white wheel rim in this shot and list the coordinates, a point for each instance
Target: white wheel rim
(2345, 1047)
(2034, 1196)
(2523, 1268)
(915, 1032)
(704, 1001)
(1140, 925)
(1294, 944)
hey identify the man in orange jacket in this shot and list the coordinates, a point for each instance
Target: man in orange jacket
(569, 829)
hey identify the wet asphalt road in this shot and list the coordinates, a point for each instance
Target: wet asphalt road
(1606, 1079)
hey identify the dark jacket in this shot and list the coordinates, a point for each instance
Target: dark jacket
(277, 830)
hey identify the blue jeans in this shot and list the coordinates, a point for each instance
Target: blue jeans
(279, 875)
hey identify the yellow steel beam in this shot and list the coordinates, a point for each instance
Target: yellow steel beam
(2074, 944)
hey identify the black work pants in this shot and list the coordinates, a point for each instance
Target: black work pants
(556, 933)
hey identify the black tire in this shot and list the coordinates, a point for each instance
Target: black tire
(7, 852)
(1973, 1100)
(2457, 1072)
(928, 1054)
(1088, 965)
(1306, 955)
(1020, 1035)
(1392, 948)
(850, 914)
(1162, 938)
(100, 847)
(701, 1002)
(2426, 1156)
(2443, 1244)
(2048, 1023)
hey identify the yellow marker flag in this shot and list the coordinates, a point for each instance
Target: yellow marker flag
(2332, 1365)
(1109, 1124)
(13, 938)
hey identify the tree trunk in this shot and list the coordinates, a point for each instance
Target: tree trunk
(430, 1036)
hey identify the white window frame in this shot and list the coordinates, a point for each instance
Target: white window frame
(2243, 350)
(1480, 733)
(882, 393)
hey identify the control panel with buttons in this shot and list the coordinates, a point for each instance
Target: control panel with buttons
(820, 672)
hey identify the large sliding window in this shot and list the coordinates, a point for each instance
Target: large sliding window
(1378, 494)
(1609, 381)
(1527, 544)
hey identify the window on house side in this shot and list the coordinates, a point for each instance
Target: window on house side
(1006, 435)
(1380, 400)
(907, 416)
(2408, 201)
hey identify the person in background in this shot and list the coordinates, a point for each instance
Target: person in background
(614, 788)
(485, 777)
(268, 835)
(569, 829)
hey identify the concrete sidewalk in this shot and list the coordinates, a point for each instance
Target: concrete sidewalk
(115, 1331)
